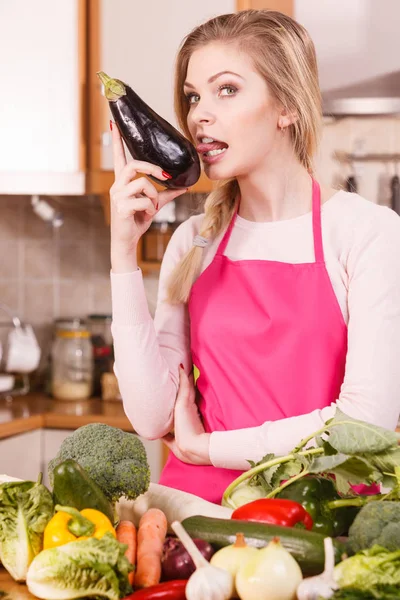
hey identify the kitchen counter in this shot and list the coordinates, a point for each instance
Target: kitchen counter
(14, 590)
(38, 411)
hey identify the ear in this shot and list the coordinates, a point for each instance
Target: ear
(286, 118)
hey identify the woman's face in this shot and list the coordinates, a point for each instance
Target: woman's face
(234, 108)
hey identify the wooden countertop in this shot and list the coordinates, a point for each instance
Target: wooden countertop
(14, 590)
(37, 411)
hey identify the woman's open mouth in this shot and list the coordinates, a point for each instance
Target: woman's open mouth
(211, 150)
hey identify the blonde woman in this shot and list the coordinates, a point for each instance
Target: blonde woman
(283, 297)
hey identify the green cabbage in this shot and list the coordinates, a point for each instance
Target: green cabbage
(81, 569)
(25, 509)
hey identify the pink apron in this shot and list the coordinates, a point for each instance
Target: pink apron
(270, 342)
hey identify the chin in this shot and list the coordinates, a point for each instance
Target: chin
(220, 172)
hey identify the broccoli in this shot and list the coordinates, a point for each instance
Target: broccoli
(114, 459)
(376, 523)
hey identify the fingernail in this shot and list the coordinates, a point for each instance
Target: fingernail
(167, 175)
(111, 124)
(157, 205)
(181, 366)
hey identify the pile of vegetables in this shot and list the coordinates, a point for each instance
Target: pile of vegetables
(104, 531)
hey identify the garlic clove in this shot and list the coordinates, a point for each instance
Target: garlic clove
(209, 583)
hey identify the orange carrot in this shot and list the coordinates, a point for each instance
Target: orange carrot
(150, 540)
(126, 534)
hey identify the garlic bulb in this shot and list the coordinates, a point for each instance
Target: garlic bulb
(207, 582)
(320, 586)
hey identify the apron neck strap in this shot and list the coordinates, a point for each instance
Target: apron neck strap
(316, 224)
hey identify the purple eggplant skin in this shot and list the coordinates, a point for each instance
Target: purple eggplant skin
(176, 562)
(151, 138)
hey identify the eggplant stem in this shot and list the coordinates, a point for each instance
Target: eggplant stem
(113, 88)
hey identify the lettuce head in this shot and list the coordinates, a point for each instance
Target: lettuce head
(25, 509)
(82, 569)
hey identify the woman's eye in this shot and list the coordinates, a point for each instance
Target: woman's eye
(192, 98)
(227, 90)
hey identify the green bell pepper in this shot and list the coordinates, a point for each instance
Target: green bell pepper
(314, 493)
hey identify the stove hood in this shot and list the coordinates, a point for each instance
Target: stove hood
(377, 96)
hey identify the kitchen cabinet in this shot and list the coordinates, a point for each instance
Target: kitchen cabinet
(21, 455)
(285, 6)
(43, 75)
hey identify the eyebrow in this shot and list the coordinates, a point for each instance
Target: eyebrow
(213, 78)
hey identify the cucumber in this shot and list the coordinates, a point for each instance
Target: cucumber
(73, 487)
(307, 547)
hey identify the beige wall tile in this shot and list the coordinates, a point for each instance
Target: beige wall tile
(39, 260)
(101, 263)
(10, 218)
(9, 260)
(102, 296)
(33, 227)
(38, 302)
(76, 224)
(74, 260)
(9, 296)
(75, 298)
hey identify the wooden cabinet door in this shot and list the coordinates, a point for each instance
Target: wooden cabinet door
(43, 75)
(285, 6)
(137, 42)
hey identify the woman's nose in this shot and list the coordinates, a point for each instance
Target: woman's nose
(200, 115)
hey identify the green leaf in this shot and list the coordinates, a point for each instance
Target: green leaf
(325, 464)
(352, 436)
(343, 486)
(357, 470)
(387, 460)
(286, 471)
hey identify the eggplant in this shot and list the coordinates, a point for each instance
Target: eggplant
(149, 137)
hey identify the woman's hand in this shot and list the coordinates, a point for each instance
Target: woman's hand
(134, 202)
(189, 442)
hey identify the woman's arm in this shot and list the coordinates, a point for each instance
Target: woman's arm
(147, 352)
(371, 387)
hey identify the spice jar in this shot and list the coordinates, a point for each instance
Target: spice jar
(72, 361)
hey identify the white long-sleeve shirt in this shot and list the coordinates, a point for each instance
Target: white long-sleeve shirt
(361, 243)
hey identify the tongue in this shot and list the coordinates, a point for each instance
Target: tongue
(202, 148)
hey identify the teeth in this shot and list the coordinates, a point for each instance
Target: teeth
(215, 152)
(207, 140)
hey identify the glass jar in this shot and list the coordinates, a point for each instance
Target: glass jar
(72, 361)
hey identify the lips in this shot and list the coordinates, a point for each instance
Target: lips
(203, 148)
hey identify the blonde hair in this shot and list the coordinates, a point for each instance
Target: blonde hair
(284, 54)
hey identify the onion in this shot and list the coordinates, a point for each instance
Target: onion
(272, 574)
(176, 562)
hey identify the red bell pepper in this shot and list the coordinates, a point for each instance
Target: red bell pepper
(169, 590)
(275, 511)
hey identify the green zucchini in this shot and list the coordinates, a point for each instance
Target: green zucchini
(307, 547)
(73, 487)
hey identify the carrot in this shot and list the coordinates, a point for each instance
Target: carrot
(150, 540)
(126, 534)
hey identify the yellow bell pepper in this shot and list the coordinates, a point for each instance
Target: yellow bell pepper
(70, 525)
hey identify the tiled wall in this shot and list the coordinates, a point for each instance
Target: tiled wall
(47, 273)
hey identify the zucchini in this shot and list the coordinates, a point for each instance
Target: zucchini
(307, 547)
(73, 487)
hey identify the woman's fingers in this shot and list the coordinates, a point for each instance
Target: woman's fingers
(133, 167)
(168, 195)
(119, 157)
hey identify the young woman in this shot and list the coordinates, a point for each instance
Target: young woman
(283, 297)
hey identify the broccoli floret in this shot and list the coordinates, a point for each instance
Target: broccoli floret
(376, 523)
(114, 459)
